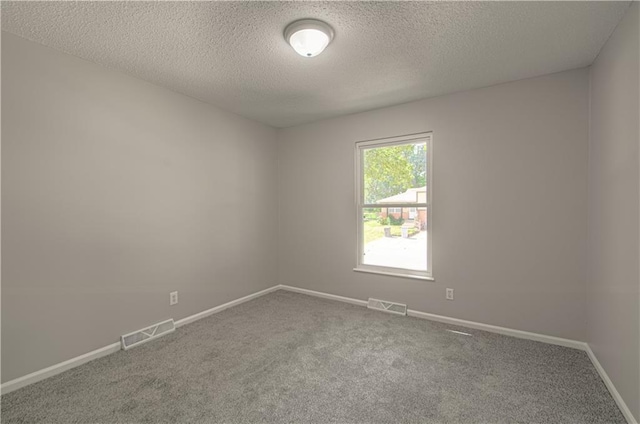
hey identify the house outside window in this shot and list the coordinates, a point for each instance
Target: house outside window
(393, 202)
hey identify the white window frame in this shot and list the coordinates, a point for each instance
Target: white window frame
(360, 147)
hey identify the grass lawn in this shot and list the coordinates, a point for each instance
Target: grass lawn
(373, 230)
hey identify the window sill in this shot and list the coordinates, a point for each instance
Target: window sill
(395, 274)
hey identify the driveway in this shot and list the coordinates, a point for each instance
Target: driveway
(398, 252)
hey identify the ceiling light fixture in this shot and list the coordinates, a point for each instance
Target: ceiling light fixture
(308, 37)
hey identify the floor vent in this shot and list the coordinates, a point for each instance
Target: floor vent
(142, 336)
(391, 307)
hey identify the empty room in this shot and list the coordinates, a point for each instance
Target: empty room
(320, 212)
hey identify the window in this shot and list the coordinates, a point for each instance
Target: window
(393, 201)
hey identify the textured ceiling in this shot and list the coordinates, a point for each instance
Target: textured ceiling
(233, 55)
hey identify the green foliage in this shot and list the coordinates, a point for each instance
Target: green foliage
(370, 216)
(417, 159)
(383, 220)
(392, 170)
(395, 221)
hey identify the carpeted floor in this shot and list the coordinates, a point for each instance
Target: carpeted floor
(287, 357)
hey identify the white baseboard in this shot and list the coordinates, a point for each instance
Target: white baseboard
(324, 295)
(224, 306)
(40, 375)
(575, 344)
(114, 347)
(36, 376)
(453, 321)
(612, 389)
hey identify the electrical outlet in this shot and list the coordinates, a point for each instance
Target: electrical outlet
(449, 294)
(173, 298)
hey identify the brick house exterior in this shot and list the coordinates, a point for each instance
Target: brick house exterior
(412, 195)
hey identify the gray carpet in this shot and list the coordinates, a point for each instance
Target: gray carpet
(287, 357)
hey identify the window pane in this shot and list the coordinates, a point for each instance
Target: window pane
(395, 237)
(395, 174)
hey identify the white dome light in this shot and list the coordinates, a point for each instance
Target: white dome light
(308, 37)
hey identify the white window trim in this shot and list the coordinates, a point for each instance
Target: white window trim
(360, 146)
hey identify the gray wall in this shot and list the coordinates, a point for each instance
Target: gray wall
(510, 200)
(114, 193)
(613, 288)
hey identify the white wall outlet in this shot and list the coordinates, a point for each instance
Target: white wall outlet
(173, 298)
(449, 294)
